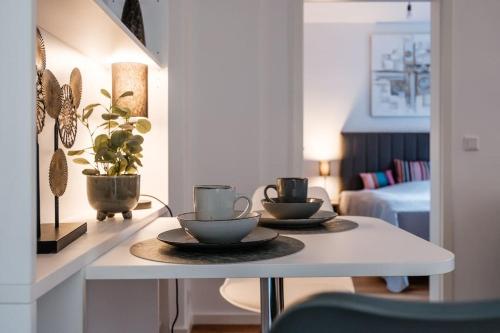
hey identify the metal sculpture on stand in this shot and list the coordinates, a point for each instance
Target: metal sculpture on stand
(59, 103)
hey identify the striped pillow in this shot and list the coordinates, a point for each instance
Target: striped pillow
(377, 179)
(410, 171)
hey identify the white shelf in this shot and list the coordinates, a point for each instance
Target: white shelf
(52, 269)
(90, 27)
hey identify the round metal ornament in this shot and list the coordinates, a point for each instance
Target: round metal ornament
(75, 82)
(51, 93)
(67, 120)
(58, 173)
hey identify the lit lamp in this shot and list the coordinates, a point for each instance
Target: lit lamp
(324, 168)
(131, 76)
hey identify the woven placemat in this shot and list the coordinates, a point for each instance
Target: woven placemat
(336, 225)
(155, 250)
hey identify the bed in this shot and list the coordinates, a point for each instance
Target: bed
(405, 205)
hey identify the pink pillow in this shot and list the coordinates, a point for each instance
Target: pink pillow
(375, 180)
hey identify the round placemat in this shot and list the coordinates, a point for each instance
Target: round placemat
(155, 250)
(335, 225)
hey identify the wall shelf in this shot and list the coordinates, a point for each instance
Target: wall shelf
(53, 269)
(90, 27)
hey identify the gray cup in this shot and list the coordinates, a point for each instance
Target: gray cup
(289, 190)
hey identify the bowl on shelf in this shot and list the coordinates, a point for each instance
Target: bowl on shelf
(292, 210)
(219, 231)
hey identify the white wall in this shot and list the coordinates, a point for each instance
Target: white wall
(235, 118)
(17, 186)
(337, 60)
(471, 107)
(61, 59)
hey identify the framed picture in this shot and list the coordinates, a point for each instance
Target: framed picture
(400, 75)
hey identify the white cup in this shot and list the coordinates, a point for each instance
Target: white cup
(216, 202)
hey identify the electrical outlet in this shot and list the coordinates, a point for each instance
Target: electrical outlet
(470, 143)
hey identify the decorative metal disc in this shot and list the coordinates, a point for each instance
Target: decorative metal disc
(58, 173)
(75, 82)
(40, 52)
(40, 104)
(51, 94)
(67, 118)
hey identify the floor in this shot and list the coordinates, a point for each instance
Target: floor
(418, 290)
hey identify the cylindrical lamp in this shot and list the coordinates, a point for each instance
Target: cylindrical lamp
(130, 76)
(324, 168)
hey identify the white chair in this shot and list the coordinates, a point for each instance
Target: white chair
(244, 293)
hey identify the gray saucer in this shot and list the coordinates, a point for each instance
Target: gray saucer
(181, 239)
(320, 217)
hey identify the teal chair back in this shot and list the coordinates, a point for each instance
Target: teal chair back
(350, 313)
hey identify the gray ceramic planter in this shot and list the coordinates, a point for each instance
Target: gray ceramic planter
(113, 194)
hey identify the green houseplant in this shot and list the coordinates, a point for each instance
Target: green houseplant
(111, 162)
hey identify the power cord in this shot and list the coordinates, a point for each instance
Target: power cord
(176, 305)
(164, 204)
(176, 280)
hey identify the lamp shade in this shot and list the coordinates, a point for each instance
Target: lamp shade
(129, 76)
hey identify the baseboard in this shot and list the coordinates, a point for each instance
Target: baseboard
(226, 319)
(177, 329)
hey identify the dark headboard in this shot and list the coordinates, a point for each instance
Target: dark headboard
(370, 152)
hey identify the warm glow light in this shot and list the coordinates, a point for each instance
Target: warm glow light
(129, 76)
(324, 168)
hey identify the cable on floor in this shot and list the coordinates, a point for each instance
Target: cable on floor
(176, 280)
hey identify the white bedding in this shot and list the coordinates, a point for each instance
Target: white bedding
(386, 202)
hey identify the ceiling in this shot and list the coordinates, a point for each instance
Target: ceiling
(365, 12)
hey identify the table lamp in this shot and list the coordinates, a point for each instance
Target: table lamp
(131, 76)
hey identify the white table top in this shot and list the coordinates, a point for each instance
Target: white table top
(375, 248)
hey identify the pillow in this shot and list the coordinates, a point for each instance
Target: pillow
(377, 179)
(410, 171)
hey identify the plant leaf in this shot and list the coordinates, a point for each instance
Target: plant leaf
(119, 111)
(87, 114)
(109, 116)
(133, 147)
(75, 152)
(110, 124)
(101, 141)
(104, 92)
(90, 172)
(126, 93)
(105, 155)
(112, 171)
(127, 126)
(118, 138)
(90, 106)
(81, 160)
(137, 160)
(143, 126)
(131, 170)
(138, 138)
(123, 164)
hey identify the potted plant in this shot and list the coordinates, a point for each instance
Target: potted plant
(113, 185)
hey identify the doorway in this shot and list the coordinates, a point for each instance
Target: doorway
(416, 18)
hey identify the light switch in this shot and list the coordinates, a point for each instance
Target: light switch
(471, 143)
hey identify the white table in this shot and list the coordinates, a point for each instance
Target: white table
(375, 248)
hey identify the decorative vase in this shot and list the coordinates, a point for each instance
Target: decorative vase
(113, 194)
